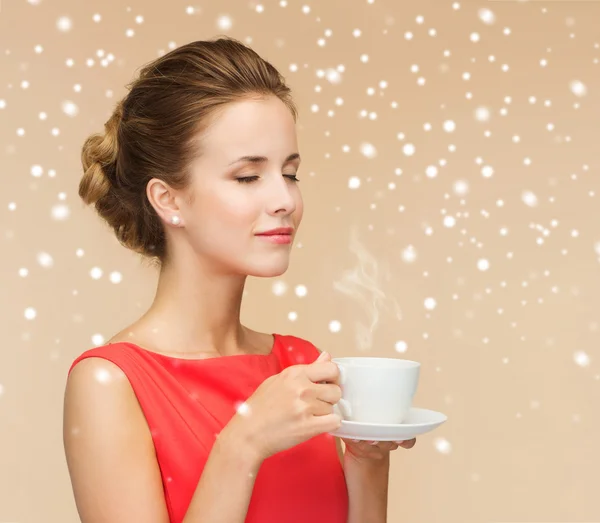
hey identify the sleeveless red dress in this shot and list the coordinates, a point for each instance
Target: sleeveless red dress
(188, 402)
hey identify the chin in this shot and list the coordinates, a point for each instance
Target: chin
(267, 270)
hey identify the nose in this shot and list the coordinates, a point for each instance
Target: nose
(282, 196)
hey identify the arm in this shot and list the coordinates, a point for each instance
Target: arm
(234, 463)
(367, 483)
(112, 463)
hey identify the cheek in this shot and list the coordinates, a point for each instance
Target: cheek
(227, 212)
(239, 212)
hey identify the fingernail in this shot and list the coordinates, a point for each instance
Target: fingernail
(373, 442)
(355, 440)
(399, 442)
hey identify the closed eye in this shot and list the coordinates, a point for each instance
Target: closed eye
(247, 179)
(250, 179)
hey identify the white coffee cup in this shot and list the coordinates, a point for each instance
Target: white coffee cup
(376, 390)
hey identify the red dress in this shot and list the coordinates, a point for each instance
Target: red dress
(188, 402)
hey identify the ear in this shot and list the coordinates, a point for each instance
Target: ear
(165, 201)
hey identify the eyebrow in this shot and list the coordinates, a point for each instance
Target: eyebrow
(264, 159)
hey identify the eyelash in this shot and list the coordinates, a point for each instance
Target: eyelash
(250, 179)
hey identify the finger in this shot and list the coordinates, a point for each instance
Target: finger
(326, 423)
(328, 392)
(324, 356)
(388, 446)
(321, 408)
(323, 371)
(407, 444)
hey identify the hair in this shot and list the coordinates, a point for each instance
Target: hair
(154, 130)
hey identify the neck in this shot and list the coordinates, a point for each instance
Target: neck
(195, 310)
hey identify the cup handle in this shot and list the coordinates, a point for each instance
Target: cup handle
(343, 409)
(342, 372)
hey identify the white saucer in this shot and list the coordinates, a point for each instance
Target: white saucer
(418, 421)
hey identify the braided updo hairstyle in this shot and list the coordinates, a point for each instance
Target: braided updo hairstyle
(153, 132)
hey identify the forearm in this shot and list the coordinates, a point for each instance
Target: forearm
(225, 487)
(367, 483)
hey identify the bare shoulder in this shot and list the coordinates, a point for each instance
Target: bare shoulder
(91, 373)
(109, 449)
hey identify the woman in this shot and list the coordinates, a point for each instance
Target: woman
(187, 415)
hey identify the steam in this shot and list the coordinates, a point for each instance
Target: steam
(365, 284)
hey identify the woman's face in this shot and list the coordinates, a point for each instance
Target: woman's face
(243, 184)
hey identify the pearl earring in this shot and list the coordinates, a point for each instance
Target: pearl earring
(175, 220)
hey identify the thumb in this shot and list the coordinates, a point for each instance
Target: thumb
(324, 356)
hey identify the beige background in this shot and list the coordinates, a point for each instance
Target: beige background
(501, 97)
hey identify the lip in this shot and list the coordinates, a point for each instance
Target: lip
(280, 231)
(281, 239)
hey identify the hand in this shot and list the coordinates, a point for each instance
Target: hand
(374, 450)
(290, 407)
